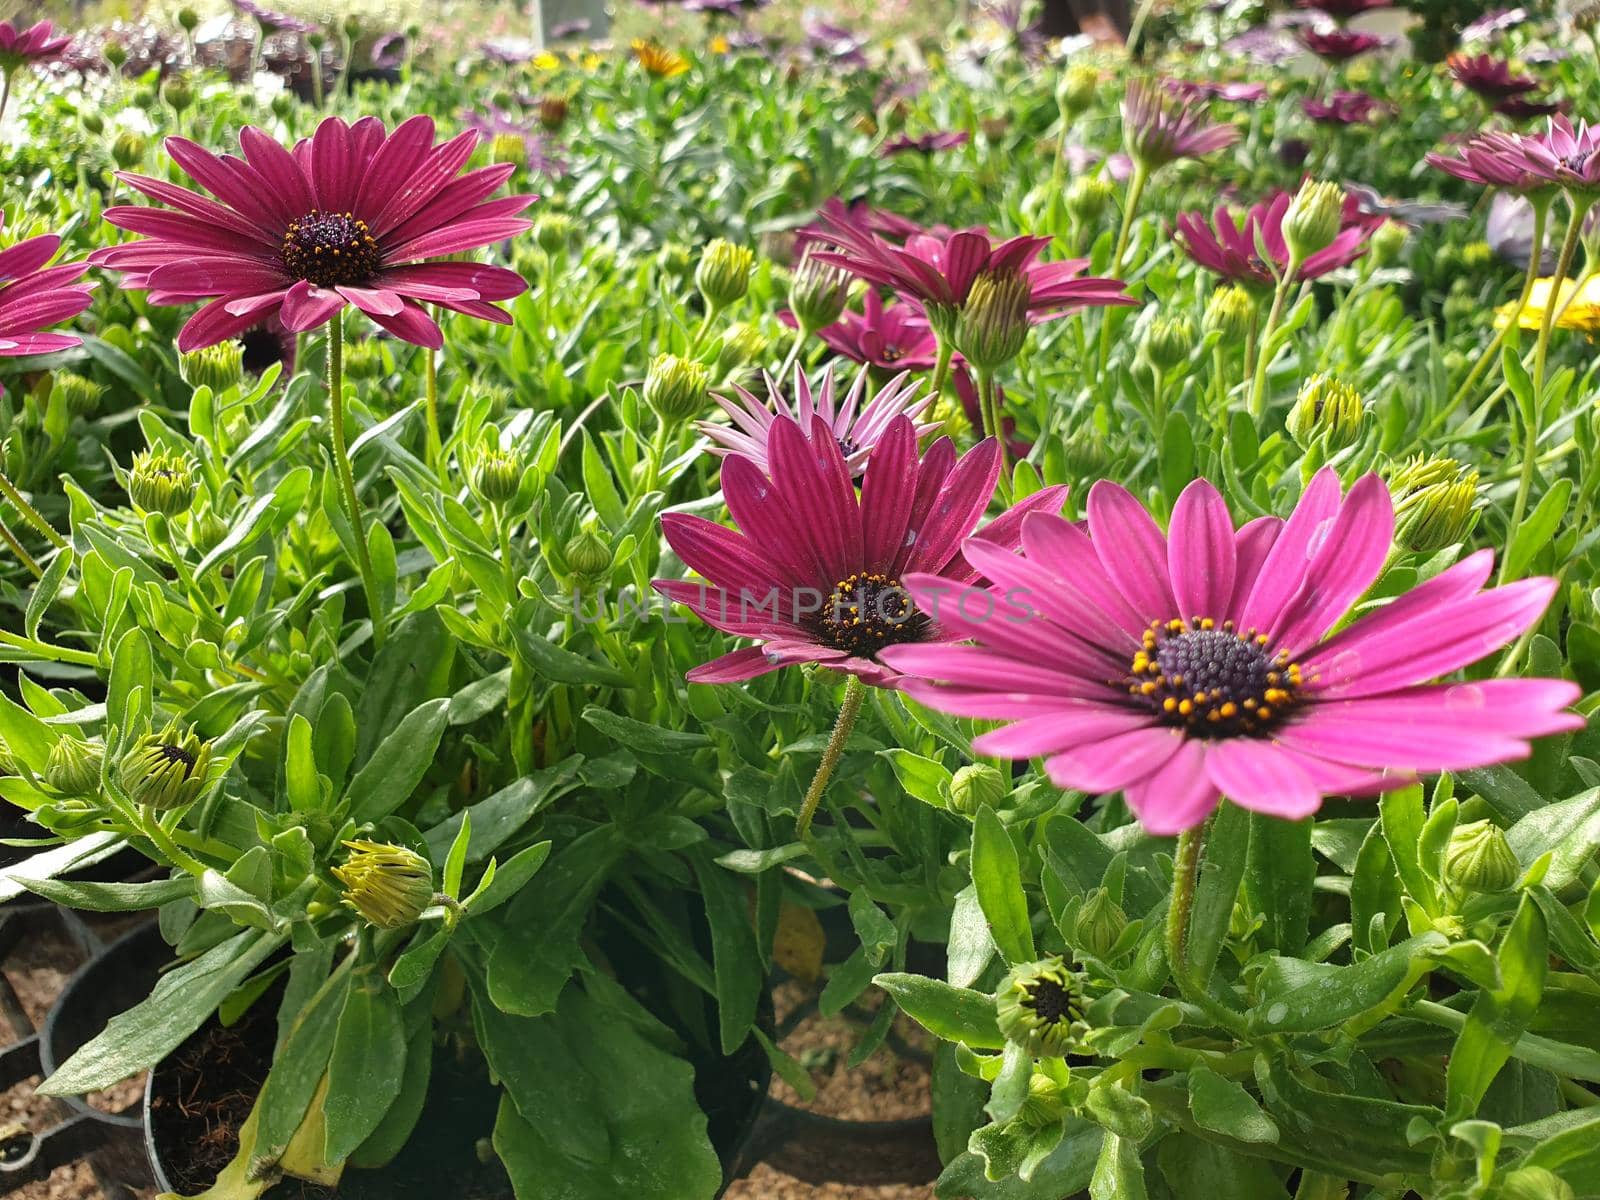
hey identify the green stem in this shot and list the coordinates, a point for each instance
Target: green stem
(1529, 412)
(30, 514)
(989, 410)
(1130, 208)
(1185, 875)
(502, 521)
(800, 335)
(82, 658)
(657, 453)
(5, 92)
(854, 693)
(347, 478)
(1258, 387)
(941, 365)
(434, 451)
(20, 550)
(150, 826)
(1541, 211)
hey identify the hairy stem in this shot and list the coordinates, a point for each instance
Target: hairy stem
(854, 693)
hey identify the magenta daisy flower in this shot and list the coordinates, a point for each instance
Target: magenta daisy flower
(855, 427)
(891, 337)
(813, 572)
(1183, 667)
(927, 143)
(1489, 77)
(1339, 45)
(1159, 128)
(33, 297)
(1521, 108)
(350, 216)
(938, 271)
(271, 20)
(1195, 90)
(1563, 156)
(35, 43)
(1343, 108)
(1231, 249)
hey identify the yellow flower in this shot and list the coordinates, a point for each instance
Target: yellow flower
(658, 60)
(592, 62)
(719, 45)
(545, 61)
(1576, 308)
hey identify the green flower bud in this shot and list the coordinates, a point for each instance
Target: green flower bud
(1387, 241)
(352, 27)
(496, 475)
(283, 105)
(1086, 453)
(742, 344)
(8, 761)
(73, 767)
(81, 395)
(1168, 342)
(144, 98)
(188, 20)
(1327, 408)
(1040, 1008)
(676, 388)
(1088, 197)
(179, 94)
(588, 556)
(723, 275)
(509, 148)
(993, 324)
(1479, 859)
(207, 530)
(553, 111)
(975, 786)
(555, 232)
(817, 293)
(1436, 504)
(93, 123)
(1231, 311)
(116, 54)
(364, 360)
(1100, 923)
(390, 886)
(1313, 218)
(1536, 1183)
(1045, 1105)
(673, 258)
(316, 39)
(1460, 306)
(127, 149)
(167, 770)
(218, 367)
(1075, 90)
(161, 483)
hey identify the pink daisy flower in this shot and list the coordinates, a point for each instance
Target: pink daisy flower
(1339, 45)
(1231, 249)
(813, 572)
(927, 143)
(33, 297)
(34, 43)
(1182, 667)
(348, 217)
(1160, 128)
(855, 427)
(892, 337)
(1488, 76)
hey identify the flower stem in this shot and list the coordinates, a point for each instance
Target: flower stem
(434, 450)
(989, 410)
(347, 479)
(20, 551)
(150, 826)
(1130, 209)
(1185, 875)
(30, 514)
(1541, 210)
(800, 335)
(854, 693)
(1258, 388)
(5, 91)
(1529, 412)
(941, 365)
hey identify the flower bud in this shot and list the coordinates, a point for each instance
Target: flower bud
(283, 105)
(1536, 1183)
(723, 275)
(218, 367)
(1100, 924)
(1436, 503)
(553, 111)
(8, 761)
(144, 98)
(1387, 242)
(127, 149)
(993, 324)
(1045, 1106)
(496, 475)
(161, 483)
(1231, 311)
(673, 259)
(352, 26)
(93, 123)
(509, 148)
(555, 232)
(975, 786)
(390, 886)
(363, 359)
(1168, 342)
(817, 293)
(588, 556)
(742, 344)
(1329, 409)
(188, 20)
(1086, 453)
(1479, 859)
(165, 771)
(1075, 90)
(116, 54)
(1313, 218)
(80, 395)
(73, 767)
(1088, 197)
(676, 388)
(207, 530)
(179, 93)
(1040, 1008)
(316, 39)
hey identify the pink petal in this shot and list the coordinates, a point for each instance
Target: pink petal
(887, 491)
(1200, 552)
(1357, 547)
(1286, 563)
(1132, 550)
(1116, 762)
(413, 325)
(306, 306)
(1255, 775)
(1177, 796)
(1058, 731)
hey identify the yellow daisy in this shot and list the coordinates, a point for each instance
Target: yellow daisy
(1577, 308)
(658, 60)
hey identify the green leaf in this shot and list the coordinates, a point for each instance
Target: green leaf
(1120, 1111)
(997, 875)
(394, 1131)
(1301, 997)
(927, 780)
(366, 1067)
(500, 816)
(1227, 849)
(455, 862)
(551, 661)
(45, 592)
(415, 963)
(1279, 871)
(1223, 1106)
(509, 879)
(954, 1014)
(300, 767)
(398, 764)
(970, 949)
(1568, 830)
(1499, 1016)
(136, 1040)
(636, 735)
(1402, 815)
(1195, 1167)
(109, 897)
(1538, 530)
(299, 1066)
(735, 958)
(1119, 1175)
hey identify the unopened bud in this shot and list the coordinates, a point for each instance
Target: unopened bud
(723, 275)
(1436, 504)
(742, 344)
(127, 149)
(676, 388)
(217, 367)
(975, 786)
(1100, 924)
(588, 556)
(1231, 311)
(1075, 90)
(389, 886)
(1388, 241)
(1479, 859)
(179, 94)
(496, 475)
(1040, 1008)
(993, 325)
(1045, 1106)
(1168, 342)
(188, 20)
(553, 111)
(160, 482)
(165, 771)
(1313, 218)
(817, 293)
(80, 395)
(1088, 197)
(73, 767)
(1329, 409)
(1536, 1183)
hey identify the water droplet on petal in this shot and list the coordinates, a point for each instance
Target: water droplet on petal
(1319, 537)
(1465, 697)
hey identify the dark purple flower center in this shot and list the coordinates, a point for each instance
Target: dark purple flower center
(892, 354)
(1051, 1002)
(176, 754)
(847, 446)
(330, 249)
(1212, 681)
(867, 612)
